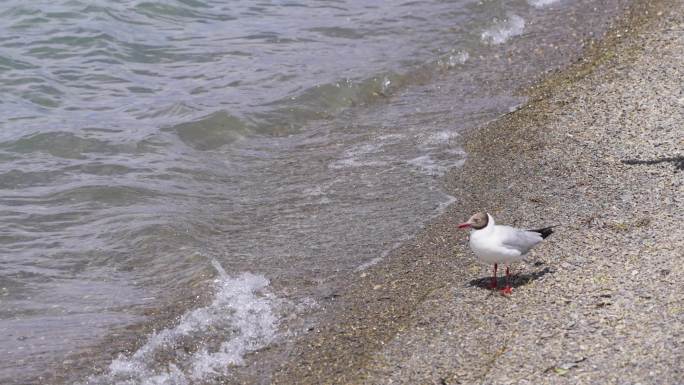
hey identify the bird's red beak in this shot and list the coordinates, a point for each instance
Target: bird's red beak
(464, 225)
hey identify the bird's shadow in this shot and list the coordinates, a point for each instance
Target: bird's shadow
(516, 280)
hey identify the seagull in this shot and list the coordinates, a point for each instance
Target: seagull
(497, 244)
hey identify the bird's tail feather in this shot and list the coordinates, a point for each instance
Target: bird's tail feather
(546, 231)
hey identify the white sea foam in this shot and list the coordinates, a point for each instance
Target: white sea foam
(541, 3)
(427, 164)
(390, 138)
(431, 166)
(360, 156)
(439, 153)
(503, 30)
(241, 317)
(454, 59)
(369, 263)
(366, 148)
(439, 138)
(459, 58)
(352, 162)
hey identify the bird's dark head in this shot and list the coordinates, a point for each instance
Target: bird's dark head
(477, 221)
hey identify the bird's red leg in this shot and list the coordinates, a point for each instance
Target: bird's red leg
(493, 285)
(507, 289)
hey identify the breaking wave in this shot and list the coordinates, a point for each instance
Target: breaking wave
(206, 342)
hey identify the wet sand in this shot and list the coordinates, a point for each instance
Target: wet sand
(598, 149)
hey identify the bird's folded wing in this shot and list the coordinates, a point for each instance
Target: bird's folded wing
(520, 240)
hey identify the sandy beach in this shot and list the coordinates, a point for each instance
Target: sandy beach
(599, 149)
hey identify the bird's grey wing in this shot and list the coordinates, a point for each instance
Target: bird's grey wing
(520, 240)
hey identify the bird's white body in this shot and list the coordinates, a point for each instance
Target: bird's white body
(496, 244)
